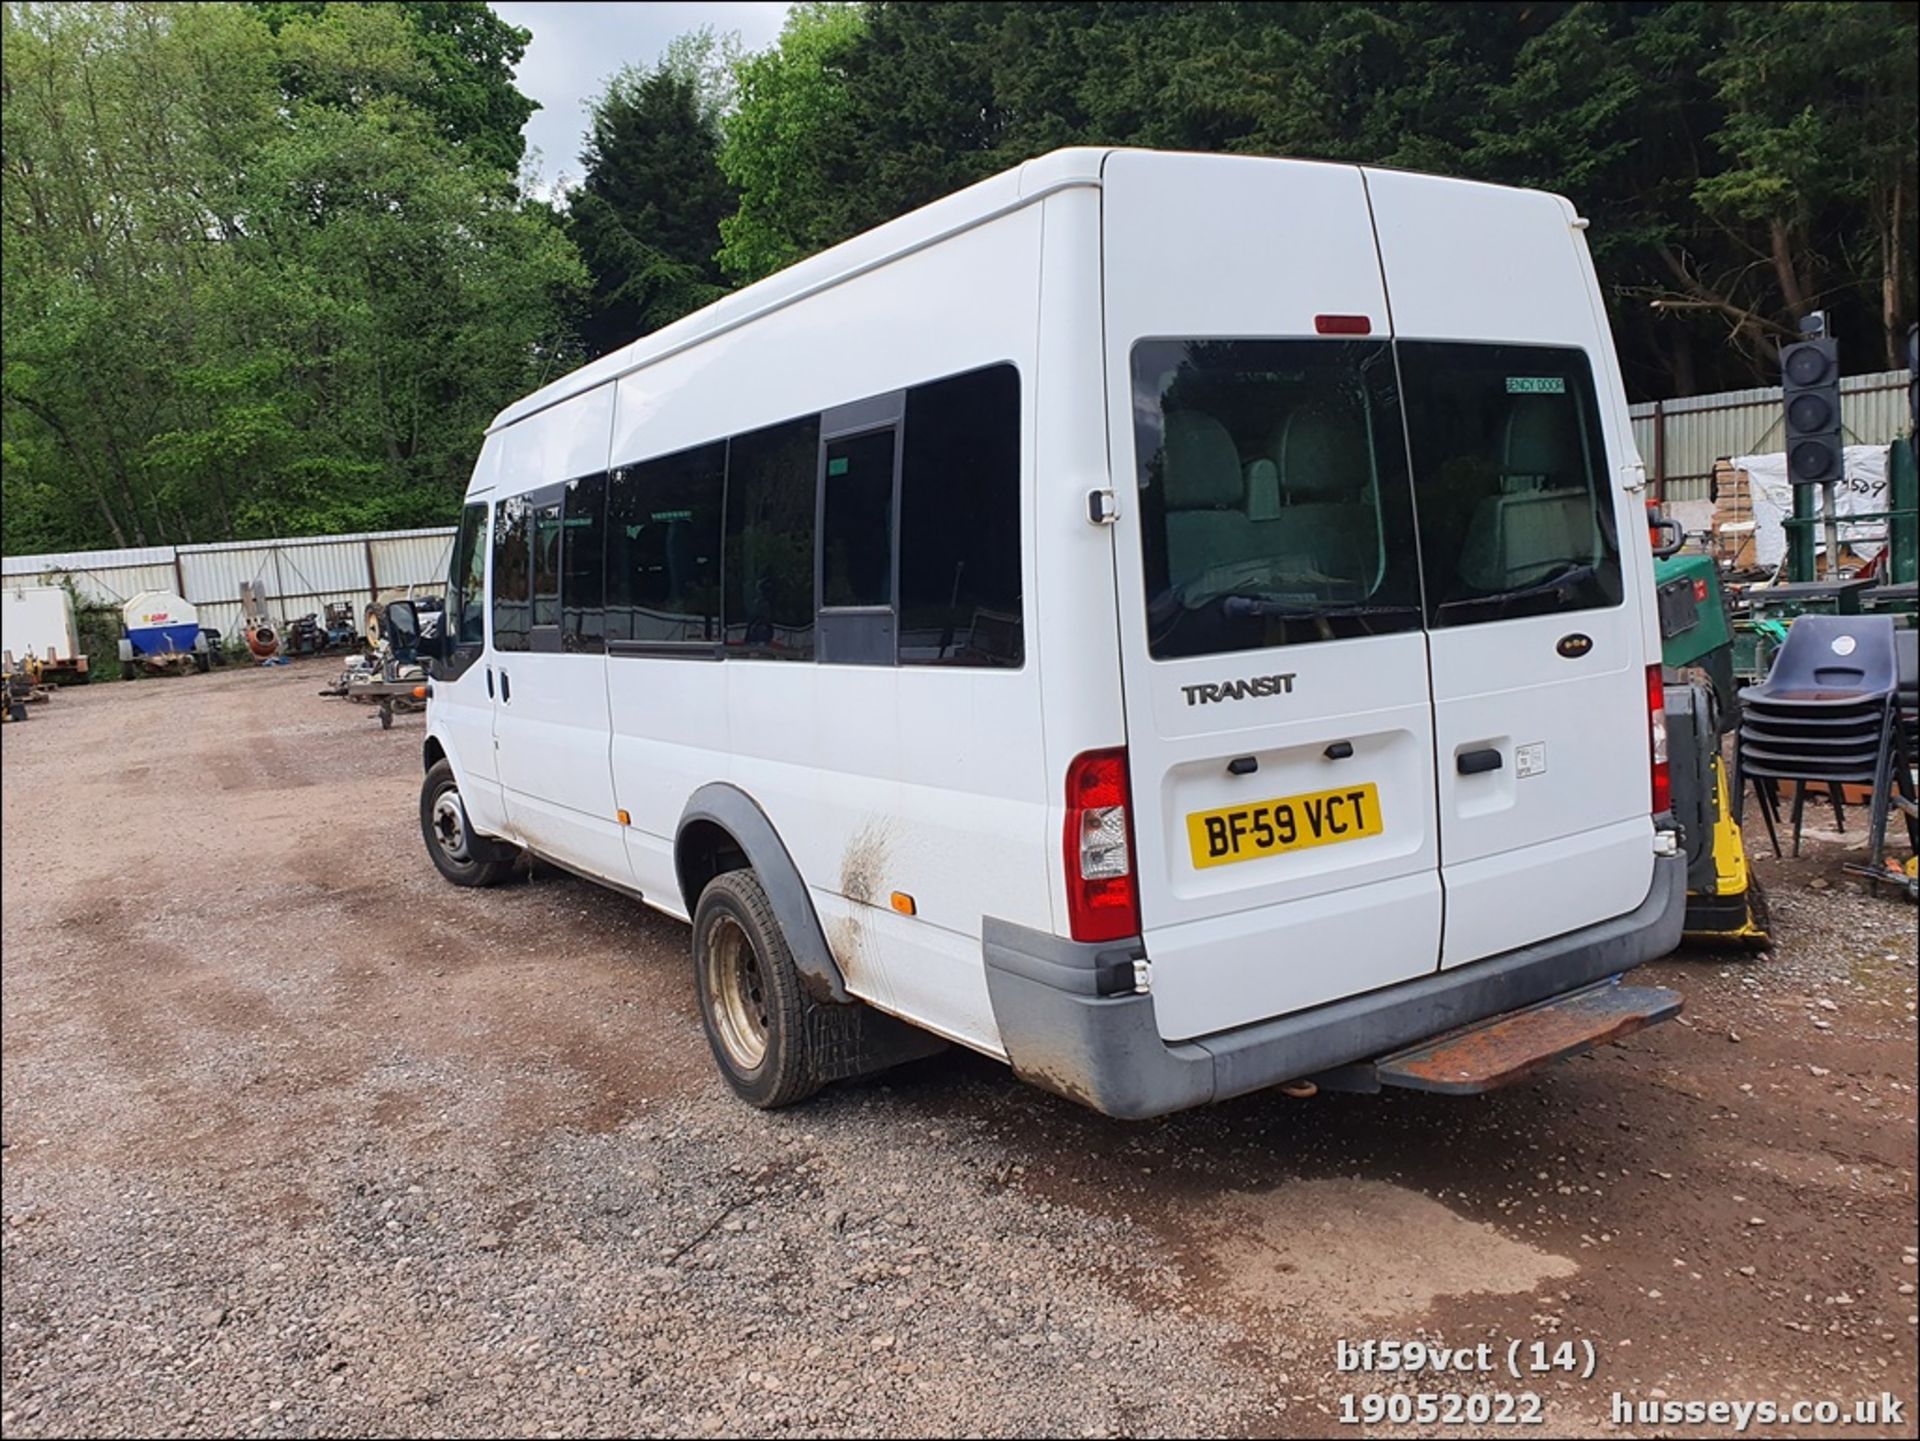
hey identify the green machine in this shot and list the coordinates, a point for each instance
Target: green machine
(1724, 901)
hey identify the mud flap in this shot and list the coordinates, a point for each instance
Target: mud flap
(1497, 1052)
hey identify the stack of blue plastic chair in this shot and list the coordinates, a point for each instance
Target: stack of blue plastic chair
(1825, 716)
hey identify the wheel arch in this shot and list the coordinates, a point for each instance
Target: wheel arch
(724, 829)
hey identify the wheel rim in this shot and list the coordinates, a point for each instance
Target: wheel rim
(737, 993)
(450, 826)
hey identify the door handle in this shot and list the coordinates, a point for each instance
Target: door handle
(489, 671)
(1338, 751)
(1472, 763)
(1242, 766)
(506, 690)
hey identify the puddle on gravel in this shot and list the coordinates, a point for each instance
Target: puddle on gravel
(1364, 1248)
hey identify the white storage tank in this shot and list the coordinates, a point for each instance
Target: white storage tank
(161, 623)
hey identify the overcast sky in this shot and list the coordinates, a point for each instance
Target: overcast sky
(576, 46)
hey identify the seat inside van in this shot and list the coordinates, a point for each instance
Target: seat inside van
(1299, 511)
(1321, 457)
(1542, 519)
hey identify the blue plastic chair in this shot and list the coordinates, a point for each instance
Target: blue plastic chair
(1824, 716)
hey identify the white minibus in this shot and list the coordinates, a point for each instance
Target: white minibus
(1179, 624)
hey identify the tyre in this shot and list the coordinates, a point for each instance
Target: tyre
(751, 1001)
(200, 662)
(459, 853)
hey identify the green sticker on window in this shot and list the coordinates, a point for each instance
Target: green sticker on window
(837, 467)
(1536, 385)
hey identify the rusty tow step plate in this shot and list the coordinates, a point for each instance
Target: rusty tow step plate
(1493, 1053)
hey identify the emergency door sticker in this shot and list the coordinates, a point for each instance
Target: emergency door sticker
(1530, 760)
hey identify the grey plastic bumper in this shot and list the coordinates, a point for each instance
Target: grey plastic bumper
(1105, 1051)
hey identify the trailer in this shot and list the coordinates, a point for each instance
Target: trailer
(37, 624)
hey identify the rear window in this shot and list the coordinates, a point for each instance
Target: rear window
(1510, 481)
(1274, 495)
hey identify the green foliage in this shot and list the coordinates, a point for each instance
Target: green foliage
(646, 216)
(1740, 162)
(457, 64)
(97, 627)
(266, 268)
(785, 142)
(252, 284)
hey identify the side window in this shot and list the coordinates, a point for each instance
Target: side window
(856, 527)
(583, 613)
(772, 476)
(512, 591)
(663, 548)
(467, 597)
(854, 560)
(960, 522)
(546, 565)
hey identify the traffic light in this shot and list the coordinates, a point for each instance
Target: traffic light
(1810, 384)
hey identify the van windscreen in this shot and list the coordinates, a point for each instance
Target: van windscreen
(1273, 492)
(1510, 481)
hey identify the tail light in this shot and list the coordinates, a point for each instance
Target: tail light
(1103, 903)
(1657, 736)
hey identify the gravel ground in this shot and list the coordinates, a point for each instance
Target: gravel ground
(300, 1140)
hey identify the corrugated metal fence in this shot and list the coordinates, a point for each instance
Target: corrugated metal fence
(297, 576)
(1679, 440)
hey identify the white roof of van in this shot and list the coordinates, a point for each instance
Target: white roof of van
(978, 203)
(963, 209)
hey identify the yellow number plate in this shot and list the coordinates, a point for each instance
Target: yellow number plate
(1292, 823)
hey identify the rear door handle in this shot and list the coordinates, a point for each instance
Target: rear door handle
(1472, 763)
(506, 692)
(489, 671)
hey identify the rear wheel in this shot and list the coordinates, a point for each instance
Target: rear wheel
(750, 995)
(459, 854)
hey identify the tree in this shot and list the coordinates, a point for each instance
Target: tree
(1818, 143)
(462, 59)
(250, 286)
(782, 145)
(1740, 162)
(646, 218)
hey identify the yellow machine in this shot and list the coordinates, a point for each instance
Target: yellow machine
(1724, 901)
(1731, 908)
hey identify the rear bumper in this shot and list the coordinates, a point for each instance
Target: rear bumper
(1106, 1052)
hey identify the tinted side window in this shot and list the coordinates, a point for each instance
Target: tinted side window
(960, 522)
(772, 479)
(663, 547)
(856, 551)
(583, 610)
(466, 618)
(511, 578)
(546, 565)
(1511, 481)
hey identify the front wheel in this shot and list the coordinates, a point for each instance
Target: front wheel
(751, 1000)
(459, 853)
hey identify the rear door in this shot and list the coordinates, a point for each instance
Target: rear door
(1279, 720)
(1537, 653)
